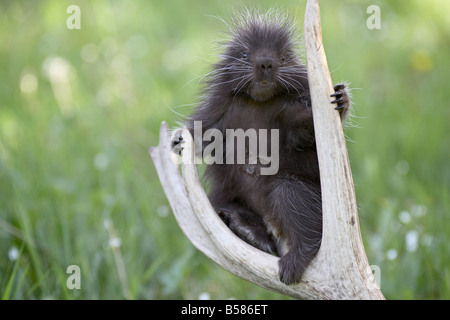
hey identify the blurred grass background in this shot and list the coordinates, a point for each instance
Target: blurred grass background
(79, 109)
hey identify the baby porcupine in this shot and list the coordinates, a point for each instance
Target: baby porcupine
(260, 83)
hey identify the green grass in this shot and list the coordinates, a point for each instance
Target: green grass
(73, 150)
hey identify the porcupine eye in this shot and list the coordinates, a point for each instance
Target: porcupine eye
(244, 55)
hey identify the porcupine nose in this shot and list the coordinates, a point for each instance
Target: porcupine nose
(265, 63)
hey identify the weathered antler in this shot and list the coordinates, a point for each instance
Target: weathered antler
(340, 269)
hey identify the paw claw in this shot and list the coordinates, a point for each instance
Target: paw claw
(335, 94)
(338, 100)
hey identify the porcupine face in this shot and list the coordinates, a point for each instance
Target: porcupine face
(260, 59)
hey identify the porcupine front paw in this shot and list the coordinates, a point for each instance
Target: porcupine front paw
(177, 142)
(342, 99)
